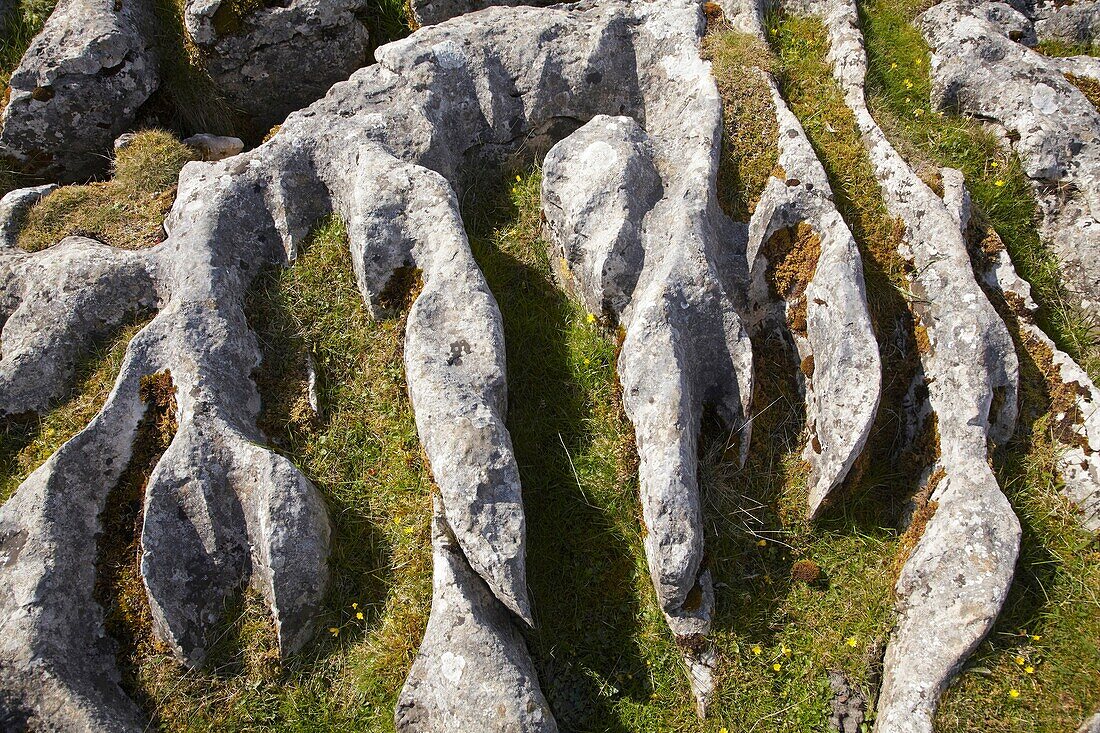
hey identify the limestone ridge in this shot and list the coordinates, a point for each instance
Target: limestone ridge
(836, 345)
(952, 587)
(87, 75)
(382, 149)
(981, 67)
(220, 510)
(844, 380)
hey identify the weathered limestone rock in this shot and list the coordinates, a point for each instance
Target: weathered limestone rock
(597, 187)
(1076, 398)
(1075, 22)
(838, 347)
(384, 150)
(215, 147)
(953, 585)
(979, 70)
(404, 217)
(430, 12)
(634, 218)
(283, 56)
(78, 87)
(13, 207)
(468, 675)
(220, 510)
(1092, 725)
(836, 343)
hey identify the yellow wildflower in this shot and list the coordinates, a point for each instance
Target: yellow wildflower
(334, 631)
(917, 112)
(777, 666)
(993, 164)
(590, 318)
(756, 649)
(786, 651)
(355, 605)
(359, 615)
(920, 61)
(1019, 661)
(762, 543)
(998, 183)
(908, 84)
(1029, 669)
(851, 641)
(1035, 637)
(1014, 693)
(518, 179)
(894, 65)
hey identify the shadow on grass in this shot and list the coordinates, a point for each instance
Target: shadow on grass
(581, 568)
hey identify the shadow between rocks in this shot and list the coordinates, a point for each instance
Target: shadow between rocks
(581, 569)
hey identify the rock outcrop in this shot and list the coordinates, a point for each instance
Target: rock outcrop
(614, 100)
(79, 86)
(385, 150)
(951, 588)
(979, 70)
(281, 56)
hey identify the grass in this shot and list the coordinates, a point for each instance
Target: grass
(127, 211)
(750, 153)
(26, 443)
(1051, 621)
(1089, 87)
(1061, 48)
(605, 658)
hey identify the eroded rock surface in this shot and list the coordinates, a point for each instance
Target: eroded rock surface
(79, 86)
(823, 311)
(280, 57)
(978, 69)
(952, 586)
(384, 150)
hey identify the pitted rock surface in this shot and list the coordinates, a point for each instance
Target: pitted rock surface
(283, 56)
(978, 69)
(79, 86)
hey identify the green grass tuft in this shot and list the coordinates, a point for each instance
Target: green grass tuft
(127, 211)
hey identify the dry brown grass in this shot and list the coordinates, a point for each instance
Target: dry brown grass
(127, 212)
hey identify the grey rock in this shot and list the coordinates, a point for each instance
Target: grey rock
(848, 706)
(1054, 128)
(80, 84)
(842, 392)
(632, 215)
(1078, 460)
(597, 186)
(1092, 725)
(403, 215)
(952, 586)
(471, 673)
(13, 207)
(215, 147)
(430, 12)
(284, 56)
(1075, 22)
(221, 511)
